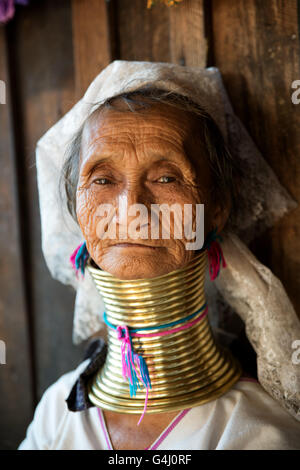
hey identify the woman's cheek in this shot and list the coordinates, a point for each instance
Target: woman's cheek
(87, 204)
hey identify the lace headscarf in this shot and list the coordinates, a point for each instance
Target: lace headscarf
(247, 286)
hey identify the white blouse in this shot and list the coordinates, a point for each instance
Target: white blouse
(244, 418)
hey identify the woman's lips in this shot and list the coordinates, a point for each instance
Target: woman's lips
(134, 245)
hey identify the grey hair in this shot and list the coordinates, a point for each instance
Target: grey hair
(225, 171)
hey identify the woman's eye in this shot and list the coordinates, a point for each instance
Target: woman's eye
(166, 179)
(102, 181)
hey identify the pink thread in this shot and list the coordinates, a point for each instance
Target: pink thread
(245, 378)
(126, 350)
(145, 406)
(73, 258)
(147, 392)
(215, 254)
(175, 330)
(104, 429)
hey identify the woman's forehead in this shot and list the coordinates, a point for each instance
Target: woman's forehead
(159, 120)
(160, 131)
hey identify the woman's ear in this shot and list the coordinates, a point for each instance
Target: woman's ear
(220, 213)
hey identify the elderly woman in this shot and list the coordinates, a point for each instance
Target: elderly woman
(160, 380)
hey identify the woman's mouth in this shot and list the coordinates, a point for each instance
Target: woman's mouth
(135, 246)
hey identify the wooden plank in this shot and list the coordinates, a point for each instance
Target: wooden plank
(188, 44)
(91, 41)
(143, 33)
(256, 47)
(162, 34)
(42, 63)
(16, 403)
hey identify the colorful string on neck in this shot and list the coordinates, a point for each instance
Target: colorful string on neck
(215, 255)
(134, 366)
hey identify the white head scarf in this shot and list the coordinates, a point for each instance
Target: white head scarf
(250, 288)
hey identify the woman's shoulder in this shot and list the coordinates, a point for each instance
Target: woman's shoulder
(51, 411)
(248, 417)
(250, 396)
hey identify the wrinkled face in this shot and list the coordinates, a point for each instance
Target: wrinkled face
(129, 158)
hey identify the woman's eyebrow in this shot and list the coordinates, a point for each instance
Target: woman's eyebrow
(98, 164)
(155, 157)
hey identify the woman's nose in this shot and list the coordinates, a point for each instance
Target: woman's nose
(130, 204)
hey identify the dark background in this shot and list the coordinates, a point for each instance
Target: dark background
(49, 53)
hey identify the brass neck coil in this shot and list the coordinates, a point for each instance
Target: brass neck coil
(186, 368)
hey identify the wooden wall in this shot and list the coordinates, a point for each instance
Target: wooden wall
(49, 53)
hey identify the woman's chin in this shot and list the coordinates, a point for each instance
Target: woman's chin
(137, 266)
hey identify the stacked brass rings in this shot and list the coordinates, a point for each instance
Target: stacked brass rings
(187, 368)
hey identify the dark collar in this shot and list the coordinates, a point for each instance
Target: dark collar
(78, 399)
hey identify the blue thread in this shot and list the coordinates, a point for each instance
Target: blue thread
(211, 236)
(144, 372)
(134, 383)
(81, 257)
(167, 325)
